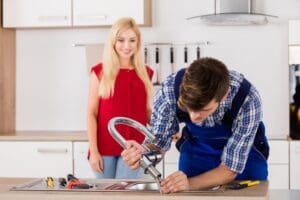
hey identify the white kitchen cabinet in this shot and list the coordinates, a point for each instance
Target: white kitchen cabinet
(35, 159)
(294, 41)
(278, 164)
(294, 32)
(36, 13)
(67, 13)
(82, 167)
(104, 12)
(294, 54)
(171, 160)
(295, 165)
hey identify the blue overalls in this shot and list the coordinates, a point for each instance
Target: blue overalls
(201, 147)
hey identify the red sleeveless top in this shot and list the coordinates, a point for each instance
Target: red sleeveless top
(129, 100)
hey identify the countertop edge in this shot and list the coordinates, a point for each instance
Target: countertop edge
(45, 136)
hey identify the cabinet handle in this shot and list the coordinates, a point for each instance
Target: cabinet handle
(92, 17)
(53, 18)
(49, 150)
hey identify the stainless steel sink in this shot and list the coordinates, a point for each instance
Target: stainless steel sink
(130, 185)
(143, 187)
(105, 185)
(96, 185)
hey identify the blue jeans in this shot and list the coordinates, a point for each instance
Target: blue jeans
(114, 167)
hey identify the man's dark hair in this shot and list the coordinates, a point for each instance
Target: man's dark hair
(204, 80)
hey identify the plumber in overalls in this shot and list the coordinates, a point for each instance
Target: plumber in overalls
(223, 138)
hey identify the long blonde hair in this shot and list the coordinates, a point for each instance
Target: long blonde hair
(111, 63)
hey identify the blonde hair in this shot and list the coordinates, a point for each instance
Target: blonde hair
(111, 63)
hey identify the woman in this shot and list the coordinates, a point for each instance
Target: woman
(120, 86)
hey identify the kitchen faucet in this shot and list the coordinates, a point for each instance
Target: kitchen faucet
(149, 158)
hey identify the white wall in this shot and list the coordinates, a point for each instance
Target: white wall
(52, 80)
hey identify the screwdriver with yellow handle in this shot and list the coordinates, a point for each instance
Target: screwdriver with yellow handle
(242, 184)
(50, 182)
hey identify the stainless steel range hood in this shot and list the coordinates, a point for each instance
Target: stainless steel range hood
(234, 12)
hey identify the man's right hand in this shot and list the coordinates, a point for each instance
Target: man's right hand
(132, 154)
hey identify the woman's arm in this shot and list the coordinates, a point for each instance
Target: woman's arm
(92, 114)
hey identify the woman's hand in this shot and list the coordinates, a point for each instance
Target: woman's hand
(132, 154)
(96, 162)
(175, 182)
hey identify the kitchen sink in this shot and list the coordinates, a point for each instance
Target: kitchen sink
(126, 185)
(96, 185)
(103, 185)
(143, 187)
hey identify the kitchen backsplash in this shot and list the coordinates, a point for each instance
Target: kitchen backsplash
(163, 58)
(167, 58)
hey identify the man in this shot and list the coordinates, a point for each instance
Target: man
(223, 138)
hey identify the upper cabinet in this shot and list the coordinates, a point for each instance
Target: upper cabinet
(68, 13)
(36, 13)
(294, 32)
(294, 41)
(104, 12)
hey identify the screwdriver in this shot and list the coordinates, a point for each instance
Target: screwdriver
(242, 184)
(50, 182)
(62, 182)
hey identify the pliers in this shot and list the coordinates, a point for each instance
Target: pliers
(75, 183)
(242, 184)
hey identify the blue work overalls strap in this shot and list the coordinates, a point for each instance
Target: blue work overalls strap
(201, 147)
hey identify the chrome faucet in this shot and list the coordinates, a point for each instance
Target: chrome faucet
(149, 158)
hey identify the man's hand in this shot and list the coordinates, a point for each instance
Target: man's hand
(132, 154)
(175, 182)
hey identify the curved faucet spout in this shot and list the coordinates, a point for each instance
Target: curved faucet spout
(130, 122)
(147, 164)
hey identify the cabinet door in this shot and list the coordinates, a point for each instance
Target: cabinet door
(171, 160)
(294, 54)
(278, 164)
(295, 165)
(170, 168)
(104, 12)
(172, 155)
(35, 159)
(82, 167)
(36, 13)
(294, 32)
(278, 176)
(279, 152)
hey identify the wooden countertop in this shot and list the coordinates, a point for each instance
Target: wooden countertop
(258, 192)
(45, 136)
